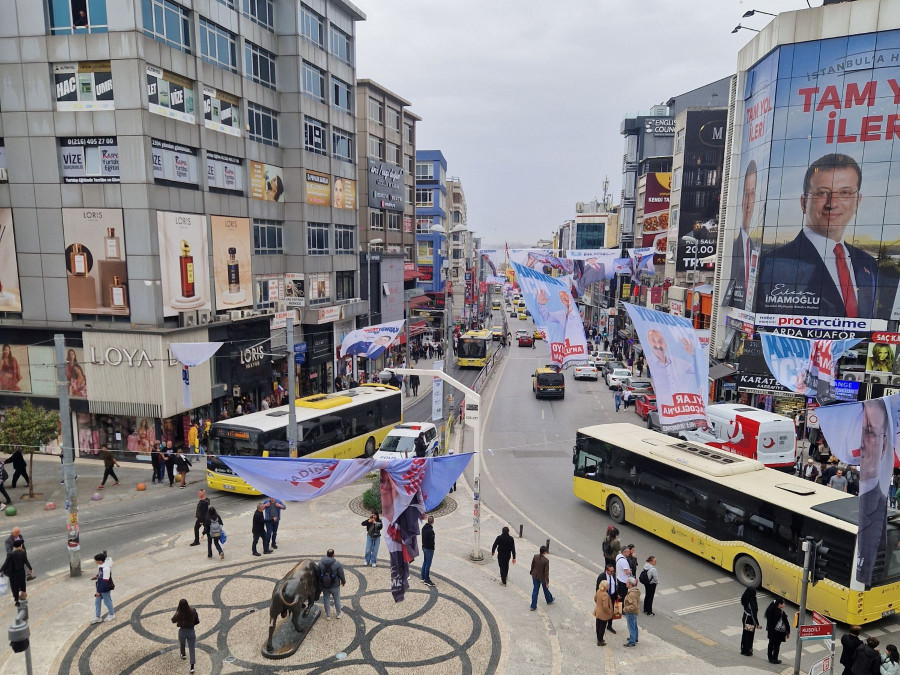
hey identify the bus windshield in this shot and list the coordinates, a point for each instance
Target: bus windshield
(472, 348)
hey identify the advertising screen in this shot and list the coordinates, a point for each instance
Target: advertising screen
(656, 211)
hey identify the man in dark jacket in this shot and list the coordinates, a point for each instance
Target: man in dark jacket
(274, 507)
(777, 628)
(200, 517)
(427, 550)
(20, 468)
(259, 529)
(419, 443)
(850, 643)
(506, 546)
(540, 577)
(867, 660)
(169, 460)
(11, 539)
(331, 577)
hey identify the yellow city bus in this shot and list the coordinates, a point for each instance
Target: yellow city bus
(474, 349)
(737, 514)
(343, 425)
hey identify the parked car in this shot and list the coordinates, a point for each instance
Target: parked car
(653, 421)
(585, 373)
(610, 366)
(644, 404)
(637, 385)
(615, 378)
(400, 441)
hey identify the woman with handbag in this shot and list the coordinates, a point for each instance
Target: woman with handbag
(749, 620)
(603, 611)
(186, 618)
(104, 589)
(216, 529)
(777, 628)
(14, 568)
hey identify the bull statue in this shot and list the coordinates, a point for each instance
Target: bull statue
(299, 587)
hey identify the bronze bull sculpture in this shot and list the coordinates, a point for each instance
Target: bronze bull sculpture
(298, 587)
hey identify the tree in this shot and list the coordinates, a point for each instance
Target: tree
(27, 428)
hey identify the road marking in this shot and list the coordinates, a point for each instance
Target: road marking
(694, 634)
(709, 605)
(53, 573)
(542, 413)
(667, 591)
(704, 584)
(892, 627)
(731, 631)
(875, 632)
(687, 587)
(724, 580)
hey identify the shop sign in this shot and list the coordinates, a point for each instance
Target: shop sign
(846, 390)
(760, 384)
(252, 357)
(386, 185)
(279, 319)
(886, 338)
(329, 314)
(660, 126)
(116, 356)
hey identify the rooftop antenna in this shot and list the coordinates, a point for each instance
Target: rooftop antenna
(606, 192)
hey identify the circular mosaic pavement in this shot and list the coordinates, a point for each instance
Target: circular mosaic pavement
(445, 629)
(445, 508)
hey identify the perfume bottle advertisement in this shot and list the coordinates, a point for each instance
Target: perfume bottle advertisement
(231, 262)
(10, 299)
(183, 262)
(96, 272)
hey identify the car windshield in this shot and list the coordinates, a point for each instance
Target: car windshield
(621, 372)
(640, 384)
(398, 444)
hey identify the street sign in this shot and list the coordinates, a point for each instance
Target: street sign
(816, 631)
(823, 666)
(300, 353)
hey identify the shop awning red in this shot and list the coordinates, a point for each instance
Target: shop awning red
(410, 275)
(416, 328)
(419, 301)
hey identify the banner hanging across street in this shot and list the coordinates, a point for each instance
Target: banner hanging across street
(371, 341)
(553, 310)
(679, 367)
(804, 366)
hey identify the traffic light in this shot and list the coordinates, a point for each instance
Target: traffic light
(819, 562)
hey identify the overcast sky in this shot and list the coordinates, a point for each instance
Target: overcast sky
(525, 98)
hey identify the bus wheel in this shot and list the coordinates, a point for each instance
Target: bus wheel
(616, 509)
(370, 447)
(747, 572)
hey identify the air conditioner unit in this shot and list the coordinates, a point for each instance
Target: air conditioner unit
(895, 380)
(186, 319)
(690, 277)
(237, 314)
(852, 377)
(203, 316)
(878, 379)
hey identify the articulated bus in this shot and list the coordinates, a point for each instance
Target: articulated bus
(343, 425)
(474, 349)
(737, 514)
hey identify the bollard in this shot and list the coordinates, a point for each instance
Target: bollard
(548, 546)
(520, 531)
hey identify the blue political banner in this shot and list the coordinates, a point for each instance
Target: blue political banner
(371, 341)
(805, 366)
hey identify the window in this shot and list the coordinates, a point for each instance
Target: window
(679, 141)
(344, 285)
(168, 23)
(343, 239)
(376, 220)
(267, 237)
(424, 197)
(269, 290)
(314, 136)
(218, 46)
(341, 95)
(676, 180)
(393, 220)
(77, 16)
(263, 124)
(377, 248)
(341, 45)
(228, 3)
(313, 81)
(393, 154)
(424, 225)
(341, 144)
(407, 252)
(261, 12)
(376, 111)
(410, 194)
(312, 26)
(409, 164)
(409, 134)
(259, 65)
(376, 147)
(393, 119)
(317, 239)
(424, 171)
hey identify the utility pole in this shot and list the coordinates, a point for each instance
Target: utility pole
(68, 456)
(19, 634)
(292, 391)
(808, 544)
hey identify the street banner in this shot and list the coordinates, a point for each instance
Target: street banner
(371, 341)
(591, 266)
(805, 366)
(642, 260)
(495, 279)
(679, 366)
(553, 310)
(541, 260)
(437, 393)
(494, 259)
(866, 434)
(622, 266)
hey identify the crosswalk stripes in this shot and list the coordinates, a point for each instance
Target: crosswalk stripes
(709, 605)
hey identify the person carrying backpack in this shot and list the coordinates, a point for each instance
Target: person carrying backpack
(331, 577)
(214, 529)
(650, 579)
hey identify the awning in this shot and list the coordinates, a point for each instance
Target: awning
(410, 275)
(720, 370)
(416, 328)
(704, 289)
(419, 301)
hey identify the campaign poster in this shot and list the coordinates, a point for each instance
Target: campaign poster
(679, 366)
(554, 311)
(183, 262)
(10, 296)
(96, 272)
(642, 261)
(655, 222)
(231, 261)
(266, 182)
(371, 341)
(805, 366)
(343, 194)
(542, 260)
(590, 266)
(866, 434)
(493, 259)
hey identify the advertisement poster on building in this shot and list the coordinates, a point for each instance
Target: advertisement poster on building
(804, 366)
(174, 164)
(183, 261)
(295, 289)
(881, 358)
(221, 112)
(231, 261)
(84, 86)
(386, 186)
(75, 373)
(679, 366)
(866, 434)
(590, 267)
(407, 223)
(656, 212)
(89, 159)
(425, 252)
(10, 296)
(96, 273)
(318, 287)
(318, 188)
(266, 182)
(14, 373)
(343, 193)
(170, 95)
(224, 173)
(553, 310)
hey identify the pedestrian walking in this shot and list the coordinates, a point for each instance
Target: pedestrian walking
(186, 618)
(259, 529)
(104, 588)
(631, 605)
(852, 476)
(414, 383)
(650, 579)
(331, 578)
(894, 489)
(10, 541)
(156, 463)
(274, 507)
(201, 517)
(373, 527)
(890, 662)
(169, 460)
(849, 644)
(611, 545)
(215, 528)
(603, 611)
(419, 444)
(867, 660)
(540, 577)
(626, 397)
(749, 620)
(4, 476)
(505, 547)
(193, 439)
(427, 550)
(109, 462)
(20, 468)
(14, 568)
(811, 471)
(183, 464)
(609, 576)
(777, 629)
(617, 397)
(623, 571)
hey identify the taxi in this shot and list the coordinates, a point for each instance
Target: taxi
(496, 332)
(522, 315)
(548, 383)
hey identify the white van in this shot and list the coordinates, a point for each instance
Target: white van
(749, 432)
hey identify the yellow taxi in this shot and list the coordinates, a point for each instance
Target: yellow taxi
(522, 314)
(548, 383)
(538, 334)
(496, 332)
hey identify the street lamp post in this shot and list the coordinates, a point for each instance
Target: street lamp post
(369, 244)
(696, 242)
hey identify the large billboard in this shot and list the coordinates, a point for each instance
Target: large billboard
(655, 223)
(96, 273)
(231, 261)
(183, 262)
(816, 233)
(386, 187)
(10, 297)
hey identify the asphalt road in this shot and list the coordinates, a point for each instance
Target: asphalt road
(527, 479)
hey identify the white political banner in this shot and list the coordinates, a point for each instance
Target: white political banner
(371, 341)
(437, 394)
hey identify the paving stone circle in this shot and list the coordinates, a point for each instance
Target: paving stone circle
(446, 507)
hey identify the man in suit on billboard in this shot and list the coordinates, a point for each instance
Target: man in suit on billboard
(876, 461)
(818, 273)
(743, 246)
